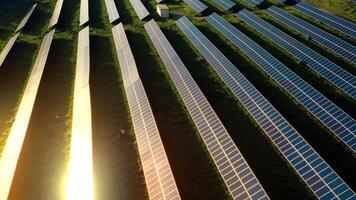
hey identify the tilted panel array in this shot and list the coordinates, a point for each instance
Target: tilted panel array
(323, 109)
(8, 47)
(140, 9)
(237, 175)
(333, 43)
(321, 65)
(313, 170)
(225, 69)
(25, 19)
(225, 4)
(16, 136)
(254, 3)
(56, 13)
(196, 5)
(112, 10)
(84, 12)
(342, 25)
(80, 174)
(157, 171)
(13, 39)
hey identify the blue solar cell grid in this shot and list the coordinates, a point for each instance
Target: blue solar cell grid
(333, 43)
(315, 172)
(342, 25)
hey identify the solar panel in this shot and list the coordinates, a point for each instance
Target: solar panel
(323, 109)
(321, 65)
(196, 5)
(139, 8)
(7, 48)
(333, 43)
(80, 178)
(237, 175)
(56, 13)
(158, 174)
(254, 3)
(232, 77)
(253, 101)
(84, 12)
(333, 73)
(342, 25)
(25, 19)
(225, 4)
(112, 11)
(12, 149)
(313, 170)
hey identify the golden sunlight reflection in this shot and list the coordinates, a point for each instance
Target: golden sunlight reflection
(14, 142)
(80, 176)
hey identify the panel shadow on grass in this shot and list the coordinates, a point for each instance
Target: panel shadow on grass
(125, 11)
(69, 17)
(39, 19)
(95, 12)
(117, 173)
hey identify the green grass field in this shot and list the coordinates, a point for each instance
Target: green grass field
(344, 8)
(117, 168)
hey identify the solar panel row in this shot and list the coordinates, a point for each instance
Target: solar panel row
(56, 13)
(112, 10)
(254, 3)
(225, 69)
(324, 38)
(225, 4)
(314, 171)
(7, 48)
(84, 12)
(12, 149)
(321, 65)
(324, 67)
(158, 174)
(323, 109)
(237, 175)
(140, 9)
(25, 19)
(196, 5)
(342, 25)
(80, 179)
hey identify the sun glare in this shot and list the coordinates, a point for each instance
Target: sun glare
(80, 176)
